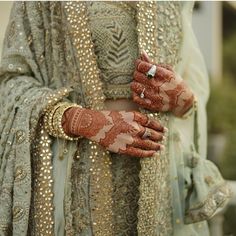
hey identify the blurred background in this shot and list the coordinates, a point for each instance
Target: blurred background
(214, 23)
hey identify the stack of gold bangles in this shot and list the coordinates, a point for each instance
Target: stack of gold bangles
(53, 120)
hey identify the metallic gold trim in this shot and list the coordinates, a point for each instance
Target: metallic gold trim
(215, 199)
(155, 212)
(101, 178)
(42, 201)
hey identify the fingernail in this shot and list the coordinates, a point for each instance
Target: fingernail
(143, 52)
(162, 147)
(164, 138)
(166, 130)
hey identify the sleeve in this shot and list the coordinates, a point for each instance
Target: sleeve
(206, 190)
(193, 70)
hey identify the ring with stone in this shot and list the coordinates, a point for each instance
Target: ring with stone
(142, 94)
(151, 73)
(147, 134)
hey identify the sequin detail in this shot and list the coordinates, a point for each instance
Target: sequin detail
(100, 194)
(153, 25)
(155, 211)
(18, 213)
(20, 136)
(42, 201)
(20, 174)
(215, 199)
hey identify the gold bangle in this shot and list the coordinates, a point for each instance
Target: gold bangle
(53, 119)
(48, 118)
(57, 118)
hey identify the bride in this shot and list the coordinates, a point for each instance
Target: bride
(103, 124)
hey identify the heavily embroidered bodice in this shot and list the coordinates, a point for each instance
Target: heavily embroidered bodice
(113, 28)
(114, 34)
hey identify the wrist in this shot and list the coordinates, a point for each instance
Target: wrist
(71, 120)
(189, 109)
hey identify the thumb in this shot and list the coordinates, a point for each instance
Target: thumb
(144, 56)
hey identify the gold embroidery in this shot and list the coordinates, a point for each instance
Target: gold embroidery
(155, 211)
(205, 210)
(42, 185)
(121, 91)
(20, 174)
(20, 136)
(5, 228)
(147, 27)
(209, 180)
(114, 25)
(18, 213)
(169, 32)
(100, 181)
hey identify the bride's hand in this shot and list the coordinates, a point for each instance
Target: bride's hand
(166, 91)
(123, 132)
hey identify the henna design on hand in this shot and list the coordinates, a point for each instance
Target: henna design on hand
(165, 92)
(119, 132)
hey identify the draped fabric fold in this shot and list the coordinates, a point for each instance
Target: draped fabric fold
(25, 93)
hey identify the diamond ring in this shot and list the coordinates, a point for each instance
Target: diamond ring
(146, 134)
(151, 73)
(142, 94)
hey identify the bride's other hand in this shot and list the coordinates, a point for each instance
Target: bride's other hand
(165, 91)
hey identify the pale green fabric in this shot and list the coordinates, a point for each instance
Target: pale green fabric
(38, 58)
(115, 27)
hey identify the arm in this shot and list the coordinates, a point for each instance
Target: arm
(122, 132)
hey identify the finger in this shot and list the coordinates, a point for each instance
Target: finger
(151, 134)
(141, 130)
(143, 66)
(153, 83)
(154, 102)
(146, 144)
(142, 78)
(166, 66)
(149, 107)
(144, 102)
(136, 152)
(147, 91)
(145, 121)
(164, 74)
(155, 126)
(145, 57)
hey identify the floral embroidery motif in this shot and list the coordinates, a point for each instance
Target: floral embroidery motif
(20, 174)
(156, 37)
(18, 213)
